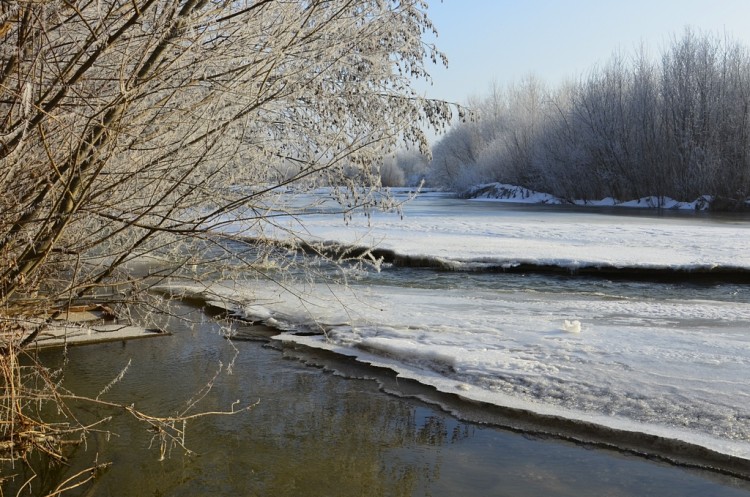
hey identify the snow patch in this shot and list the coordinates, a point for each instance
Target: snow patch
(572, 326)
(502, 192)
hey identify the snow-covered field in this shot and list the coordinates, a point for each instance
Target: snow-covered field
(657, 363)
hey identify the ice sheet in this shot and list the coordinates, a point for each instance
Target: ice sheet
(677, 369)
(467, 234)
(673, 368)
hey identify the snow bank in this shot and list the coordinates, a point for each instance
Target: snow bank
(501, 192)
(510, 193)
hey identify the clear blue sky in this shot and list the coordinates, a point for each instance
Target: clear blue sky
(505, 40)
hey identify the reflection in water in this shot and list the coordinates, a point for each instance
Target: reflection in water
(311, 434)
(314, 433)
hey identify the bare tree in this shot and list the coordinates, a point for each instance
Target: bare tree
(142, 127)
(632, 127)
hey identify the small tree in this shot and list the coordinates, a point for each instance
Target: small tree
(140, 127)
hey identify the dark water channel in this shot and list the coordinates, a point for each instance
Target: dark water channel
(316, 432)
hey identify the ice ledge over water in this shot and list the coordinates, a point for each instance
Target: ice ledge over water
(623, 370)
(455, 236)
(680, 445)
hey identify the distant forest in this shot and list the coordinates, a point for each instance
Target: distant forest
(677, 125)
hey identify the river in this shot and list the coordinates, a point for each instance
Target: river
(397, 380)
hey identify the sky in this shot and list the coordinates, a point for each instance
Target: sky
(506, 40)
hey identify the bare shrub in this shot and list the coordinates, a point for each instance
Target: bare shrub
(142, 130)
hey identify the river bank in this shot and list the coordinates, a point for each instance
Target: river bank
(90, 324)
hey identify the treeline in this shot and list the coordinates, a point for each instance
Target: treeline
(676, 126)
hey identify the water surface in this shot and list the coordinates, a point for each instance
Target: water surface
(323, 427)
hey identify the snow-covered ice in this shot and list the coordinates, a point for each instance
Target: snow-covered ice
(478, 235)
(670, 366)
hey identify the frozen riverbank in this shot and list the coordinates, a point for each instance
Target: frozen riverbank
(89, 325)
(500, 192)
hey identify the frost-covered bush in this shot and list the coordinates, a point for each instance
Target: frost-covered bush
(126, 123)
(676, 126)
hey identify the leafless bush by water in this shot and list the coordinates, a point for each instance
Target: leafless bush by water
(138, 130)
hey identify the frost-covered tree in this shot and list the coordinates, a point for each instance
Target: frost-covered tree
(454, 157)
(140, 127)
(527, 112)
(705, 88)
(413, 164)
(124, 123)
(635, 126)
(405, 167)
(498, 143)
(391, 173)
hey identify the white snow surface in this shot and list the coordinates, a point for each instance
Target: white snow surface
(672, 368)
(501, 192)
(484, 237)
